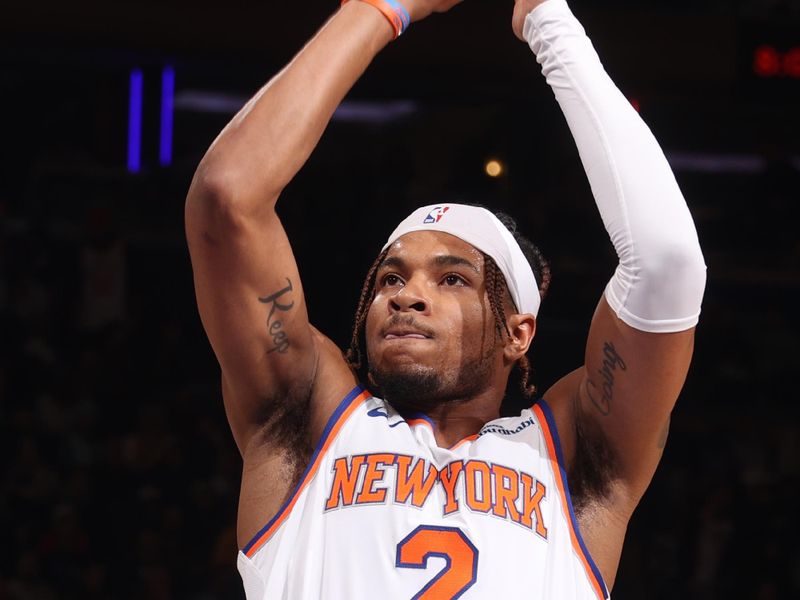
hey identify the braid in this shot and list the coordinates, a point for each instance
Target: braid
(528, 389)
(540, 265)
(497, 291)
(353, 355)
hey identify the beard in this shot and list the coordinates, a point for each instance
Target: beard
(418, 388)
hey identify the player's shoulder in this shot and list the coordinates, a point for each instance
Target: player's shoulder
(333, 380)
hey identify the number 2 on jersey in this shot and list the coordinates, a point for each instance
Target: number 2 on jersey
(450, 543)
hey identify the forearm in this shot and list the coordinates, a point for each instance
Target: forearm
(270, 139)
(661, 275)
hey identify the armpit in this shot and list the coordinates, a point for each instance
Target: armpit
(594, 467)
(287, 432)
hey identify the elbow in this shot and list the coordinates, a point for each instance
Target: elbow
(662, 291)
(673, 283)
(216, 185)
(676, 264)
(211, 205)
(220, 194)
(686, 263)
(676, 270)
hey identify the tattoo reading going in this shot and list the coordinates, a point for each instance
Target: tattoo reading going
(601, 395)
(274, 324)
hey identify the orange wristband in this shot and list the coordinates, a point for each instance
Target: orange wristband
(395, 12)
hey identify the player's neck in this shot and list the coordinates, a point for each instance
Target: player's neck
(455, 421)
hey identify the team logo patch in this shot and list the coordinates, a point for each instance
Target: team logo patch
(436, 214)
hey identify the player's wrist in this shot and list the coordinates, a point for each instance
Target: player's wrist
(394, 12)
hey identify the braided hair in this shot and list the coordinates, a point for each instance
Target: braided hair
(496, 289)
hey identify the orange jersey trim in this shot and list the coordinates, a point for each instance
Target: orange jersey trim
(545, 417)
(350, 403)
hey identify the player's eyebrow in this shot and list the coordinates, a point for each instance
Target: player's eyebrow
(441, 260)
(392, 261)
(450, 260)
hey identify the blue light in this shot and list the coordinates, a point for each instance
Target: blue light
(167, 103)
(135, 122)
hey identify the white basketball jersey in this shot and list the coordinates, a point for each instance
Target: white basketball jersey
(383, 512)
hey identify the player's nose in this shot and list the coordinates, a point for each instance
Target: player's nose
(410, 298)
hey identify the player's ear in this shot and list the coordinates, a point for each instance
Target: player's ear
(522, 329)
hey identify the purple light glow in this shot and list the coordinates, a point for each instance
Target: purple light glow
(349, 111)
(135, 122)
(167, 102)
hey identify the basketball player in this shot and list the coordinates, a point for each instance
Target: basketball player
(425, 492)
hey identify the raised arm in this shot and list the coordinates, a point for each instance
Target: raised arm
(248, 289)
(615, 409)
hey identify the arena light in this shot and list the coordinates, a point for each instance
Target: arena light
(375, 112)
(349, 111)
(204, 101)
(135, 121)
(770, 62)
(167, 106)
(716, 163)
(494, 168)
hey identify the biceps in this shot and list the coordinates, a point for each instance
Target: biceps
(632, 381)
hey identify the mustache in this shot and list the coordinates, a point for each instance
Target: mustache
(398, 320)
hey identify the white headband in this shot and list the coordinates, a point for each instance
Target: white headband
(480, 228)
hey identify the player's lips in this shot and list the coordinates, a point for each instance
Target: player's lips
(405, 327)
(405, 335)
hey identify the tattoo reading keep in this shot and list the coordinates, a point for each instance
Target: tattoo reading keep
(275, 326)
(601, 395)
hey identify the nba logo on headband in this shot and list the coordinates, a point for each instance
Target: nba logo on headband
(436, 214)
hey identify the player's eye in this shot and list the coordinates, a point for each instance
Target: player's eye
(391, 280)
(452, 279)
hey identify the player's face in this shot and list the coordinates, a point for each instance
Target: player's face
(430, 330)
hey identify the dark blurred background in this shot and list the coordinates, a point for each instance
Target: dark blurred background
(119, 475)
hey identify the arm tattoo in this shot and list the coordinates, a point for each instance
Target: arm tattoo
(274, 324)
(662, 439)
(601, 395)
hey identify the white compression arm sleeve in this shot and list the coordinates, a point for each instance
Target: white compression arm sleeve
(659, 282)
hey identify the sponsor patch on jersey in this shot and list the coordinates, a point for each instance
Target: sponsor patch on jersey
(505, 431)
(436, 215)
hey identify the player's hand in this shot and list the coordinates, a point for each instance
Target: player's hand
(419, 9)
(522, 9)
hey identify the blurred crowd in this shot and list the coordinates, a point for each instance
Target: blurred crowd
(119, 478)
